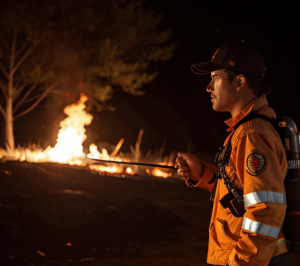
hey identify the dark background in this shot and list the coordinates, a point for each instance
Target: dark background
(176, 109)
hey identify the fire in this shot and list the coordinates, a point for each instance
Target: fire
(69, 146)
(160, 173)
(94, 153)
(129, 170)
(72, 133)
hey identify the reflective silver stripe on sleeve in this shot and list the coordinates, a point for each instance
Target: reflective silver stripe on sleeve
(259, 228)
(264, 196)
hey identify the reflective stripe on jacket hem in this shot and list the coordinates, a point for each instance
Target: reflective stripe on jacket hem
(264, 196)
(260, 228)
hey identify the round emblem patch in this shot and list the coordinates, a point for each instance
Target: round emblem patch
(255, 163)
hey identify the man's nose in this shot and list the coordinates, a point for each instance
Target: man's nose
(210, 87)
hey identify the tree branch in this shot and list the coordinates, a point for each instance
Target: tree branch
(20, 50)
(3, 112)
(28, 52)
(25, 97)
(16, 92)
(4, 71)
(44, 94)
(12, 54)
(32, 98)
(18, 83)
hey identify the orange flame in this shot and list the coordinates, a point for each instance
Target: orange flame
(72, 133)
(69, 146)
(160, 173)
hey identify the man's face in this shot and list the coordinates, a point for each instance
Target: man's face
(224, 95)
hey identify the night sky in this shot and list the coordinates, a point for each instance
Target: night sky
(176, 107)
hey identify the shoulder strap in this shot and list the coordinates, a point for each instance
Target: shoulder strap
(250, 116)
(253, 115)
(247, 118)
(227, 152)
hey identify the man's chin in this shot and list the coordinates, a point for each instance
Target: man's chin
(218, 108)
(215, 107)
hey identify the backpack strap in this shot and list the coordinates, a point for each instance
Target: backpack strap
(253, 115)
(233, 200)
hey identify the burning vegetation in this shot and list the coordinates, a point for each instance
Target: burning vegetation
(69, 148)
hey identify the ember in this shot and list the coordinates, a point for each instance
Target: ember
(69, 146)
(41, 253)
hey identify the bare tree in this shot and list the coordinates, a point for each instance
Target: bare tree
(110, 44)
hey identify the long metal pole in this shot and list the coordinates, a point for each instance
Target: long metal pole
(133, 163)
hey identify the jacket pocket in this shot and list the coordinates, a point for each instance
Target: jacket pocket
(213, 239)
(226, 239)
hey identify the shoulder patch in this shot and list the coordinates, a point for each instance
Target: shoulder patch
(256, 163)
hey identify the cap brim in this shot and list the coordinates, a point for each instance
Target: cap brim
(205, 68)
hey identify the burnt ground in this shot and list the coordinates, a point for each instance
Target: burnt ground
(52, 214)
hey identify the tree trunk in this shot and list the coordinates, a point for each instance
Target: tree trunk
(9, 126)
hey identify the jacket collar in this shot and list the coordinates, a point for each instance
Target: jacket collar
(259, 105)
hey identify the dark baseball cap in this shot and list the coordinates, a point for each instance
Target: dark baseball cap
(238, 56)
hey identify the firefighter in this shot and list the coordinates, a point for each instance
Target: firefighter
(255, 164)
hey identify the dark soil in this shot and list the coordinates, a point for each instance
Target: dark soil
(53, 214)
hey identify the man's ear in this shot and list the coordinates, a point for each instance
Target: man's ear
(241, 81)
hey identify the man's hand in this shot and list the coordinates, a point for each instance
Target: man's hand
(189, 167)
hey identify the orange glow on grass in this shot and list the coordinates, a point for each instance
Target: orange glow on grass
(159, 173)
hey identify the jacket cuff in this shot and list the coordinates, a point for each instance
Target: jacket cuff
(209, 171)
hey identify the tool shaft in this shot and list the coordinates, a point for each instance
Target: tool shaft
(133, 163)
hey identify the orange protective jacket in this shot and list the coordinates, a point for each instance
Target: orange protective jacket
(257, 166)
